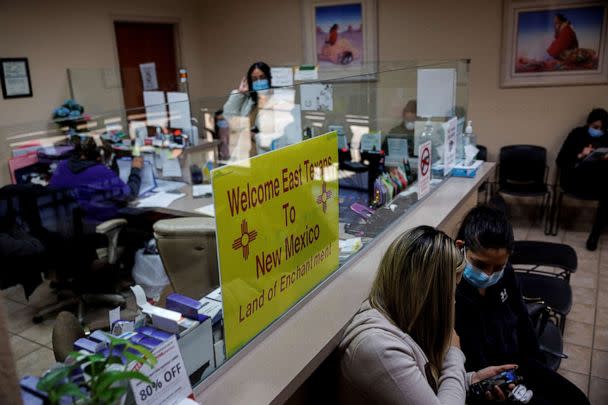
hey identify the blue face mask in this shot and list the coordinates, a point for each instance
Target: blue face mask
(259, 85)
(478, 278)
(595, 133)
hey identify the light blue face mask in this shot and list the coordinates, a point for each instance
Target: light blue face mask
(259, 85)
(478, 278)
(595, 133)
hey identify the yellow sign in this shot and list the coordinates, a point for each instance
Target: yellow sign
(277, 232)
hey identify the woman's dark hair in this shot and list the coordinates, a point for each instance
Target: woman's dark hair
(598, 114)
(86, 149)
(264, 68)
(561, 17)
(485, 227)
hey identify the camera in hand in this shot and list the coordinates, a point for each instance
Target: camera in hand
(503, 380)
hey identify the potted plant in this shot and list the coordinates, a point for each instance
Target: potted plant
(105, 378)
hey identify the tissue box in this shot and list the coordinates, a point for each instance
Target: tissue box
(184, 305)
(155, 333)
(88, 345)
(146, 341)
(467, 171)
(215, 295)
(211, 309)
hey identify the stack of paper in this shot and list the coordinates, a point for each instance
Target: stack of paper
(161, 200)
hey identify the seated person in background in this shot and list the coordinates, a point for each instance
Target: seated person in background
(401, 347)
(491, 316)
(406, 128)
(99, 191)
(583, 174)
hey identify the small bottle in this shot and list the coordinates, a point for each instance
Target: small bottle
(469, 138)
(428, 134)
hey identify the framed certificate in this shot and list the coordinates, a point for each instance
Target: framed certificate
(15, 78)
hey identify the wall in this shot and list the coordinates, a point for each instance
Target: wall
(55, 36)
(410, 30)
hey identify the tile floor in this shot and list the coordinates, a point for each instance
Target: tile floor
(586, 335)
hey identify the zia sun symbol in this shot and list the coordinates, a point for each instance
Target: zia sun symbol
(243, 241)
(324, 197)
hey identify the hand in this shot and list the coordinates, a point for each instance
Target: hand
(455, 340)
(138, 162)
(489, 372)
(243, 86)
(586, 151)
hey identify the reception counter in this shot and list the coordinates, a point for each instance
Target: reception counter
(276, 363)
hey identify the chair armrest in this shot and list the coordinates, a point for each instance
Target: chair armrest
(110, 225)
(111, 229)
(552, 353)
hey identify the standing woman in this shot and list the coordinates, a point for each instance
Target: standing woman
(244, 102)
(401, 347)
(583, 172)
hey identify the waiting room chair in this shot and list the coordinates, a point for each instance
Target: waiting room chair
(522, 172)
(550, 339)
(551, 287)
(187, 247)
(560, 193)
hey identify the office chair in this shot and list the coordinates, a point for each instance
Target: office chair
(54, 218)
(80, 287)
(187, 248)
(552, 288)
(522, 172)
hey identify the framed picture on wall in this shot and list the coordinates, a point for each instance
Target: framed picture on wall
(340, 36)
(554, 43)
(15, 78)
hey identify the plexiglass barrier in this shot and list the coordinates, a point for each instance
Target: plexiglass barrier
(291, 204)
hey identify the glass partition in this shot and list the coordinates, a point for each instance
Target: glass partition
(381, 118)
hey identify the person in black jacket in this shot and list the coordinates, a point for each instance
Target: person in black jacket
(491, 316)
(584, 172)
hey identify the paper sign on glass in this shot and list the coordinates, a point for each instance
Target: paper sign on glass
(277, 232)
(170, 384)
(281, 76)
(449, 151)
(424, 169)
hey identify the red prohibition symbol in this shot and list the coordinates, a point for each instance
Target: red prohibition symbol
(425, 161)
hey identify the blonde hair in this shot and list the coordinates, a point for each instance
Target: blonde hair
(415, 288)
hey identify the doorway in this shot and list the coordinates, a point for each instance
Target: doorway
(145, 43)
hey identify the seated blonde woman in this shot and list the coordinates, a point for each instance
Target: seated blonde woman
(401, 347)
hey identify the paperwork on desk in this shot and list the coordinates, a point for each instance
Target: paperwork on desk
(172, 168)
(202, 190)
(159, 200)
(208, 210)
(168, 185)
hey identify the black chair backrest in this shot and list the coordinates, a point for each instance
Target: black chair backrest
(482, 154)
(522, 165)
(37, 207)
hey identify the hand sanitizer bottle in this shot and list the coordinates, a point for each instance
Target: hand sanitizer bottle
(468, 139)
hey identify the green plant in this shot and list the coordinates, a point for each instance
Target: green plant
(106, 378)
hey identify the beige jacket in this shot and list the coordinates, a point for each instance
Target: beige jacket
(380, 364)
